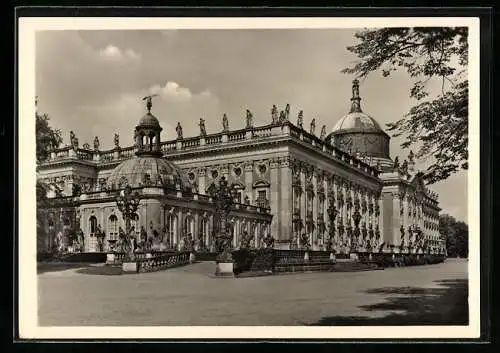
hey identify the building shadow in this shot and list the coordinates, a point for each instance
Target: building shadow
(445, 305)
(57, 266)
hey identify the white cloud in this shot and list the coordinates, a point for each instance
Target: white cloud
(172, 91)
(113, 53)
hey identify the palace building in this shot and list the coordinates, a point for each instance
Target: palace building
(340, 190)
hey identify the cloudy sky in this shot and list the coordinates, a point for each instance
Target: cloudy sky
(92, 82)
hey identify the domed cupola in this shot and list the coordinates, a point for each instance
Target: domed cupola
(359, 134)
(148, 167)
(147, 133)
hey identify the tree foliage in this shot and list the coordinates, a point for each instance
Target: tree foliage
(456, 234)
(46, 137)
(438, 125)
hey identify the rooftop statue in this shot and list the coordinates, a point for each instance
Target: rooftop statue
(249, 118)
(282, 117)
(117, 140)
(300, 120)
(178, 129)
(149, 102)
(96, 143)
(86, 146)
(73, 140)
(323, 132)
(203, 131)
(287, 112)
(225, 123)
(274, 114)
(313, 126)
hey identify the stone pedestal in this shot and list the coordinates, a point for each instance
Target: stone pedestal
(224, 269)
(130, 267)
(110, 258)
(306, 256)
(192, 258)
(332, 257)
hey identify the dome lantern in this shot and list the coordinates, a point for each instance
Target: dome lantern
(147, 133)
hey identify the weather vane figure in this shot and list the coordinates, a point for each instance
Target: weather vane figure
(149, 101)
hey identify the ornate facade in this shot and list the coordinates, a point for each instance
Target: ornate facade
(351, 199)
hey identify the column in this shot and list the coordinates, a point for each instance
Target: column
(196, 231)
(210, 233)
(396, 218)
(249, 182)
(326, 204)
(286, 192)
(303, 199)
(275, 199)
(315, 211)
(179, 226)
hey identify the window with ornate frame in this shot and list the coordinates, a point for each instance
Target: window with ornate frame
(92, 225)
(113, 227)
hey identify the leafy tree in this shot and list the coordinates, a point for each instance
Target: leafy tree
(438, 125)
(456, 234)
(46, 137)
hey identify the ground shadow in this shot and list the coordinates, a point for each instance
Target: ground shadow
(445, 305)
(57, 266)
(102, 270)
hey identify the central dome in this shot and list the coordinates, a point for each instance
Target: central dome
(359, 134)
(357, 121)
(145, 170)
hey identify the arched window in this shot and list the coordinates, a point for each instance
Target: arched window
(170, 228)
(296, 200)
(92, 225)
(187, 228)
(321, 205)
(204, 231)
(310, 198)
(112, 227)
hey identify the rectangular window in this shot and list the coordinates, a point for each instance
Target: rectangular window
(262, 195)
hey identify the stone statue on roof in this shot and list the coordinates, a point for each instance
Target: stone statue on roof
(203, 131)
(96, 143)
(274, 114)
(149, 101)
(313, 126)
(300, 120)
(117, 140)
(225, 123)
(249, 119)
(282, 117)
(178, 129)
(287, 112)
(323, 132)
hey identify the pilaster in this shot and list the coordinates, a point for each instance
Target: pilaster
(275, 199)
(286, 191)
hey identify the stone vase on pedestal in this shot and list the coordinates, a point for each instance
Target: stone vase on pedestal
(306, 256)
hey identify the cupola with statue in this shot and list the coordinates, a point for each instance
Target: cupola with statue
(360, 135)
(148, 167)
